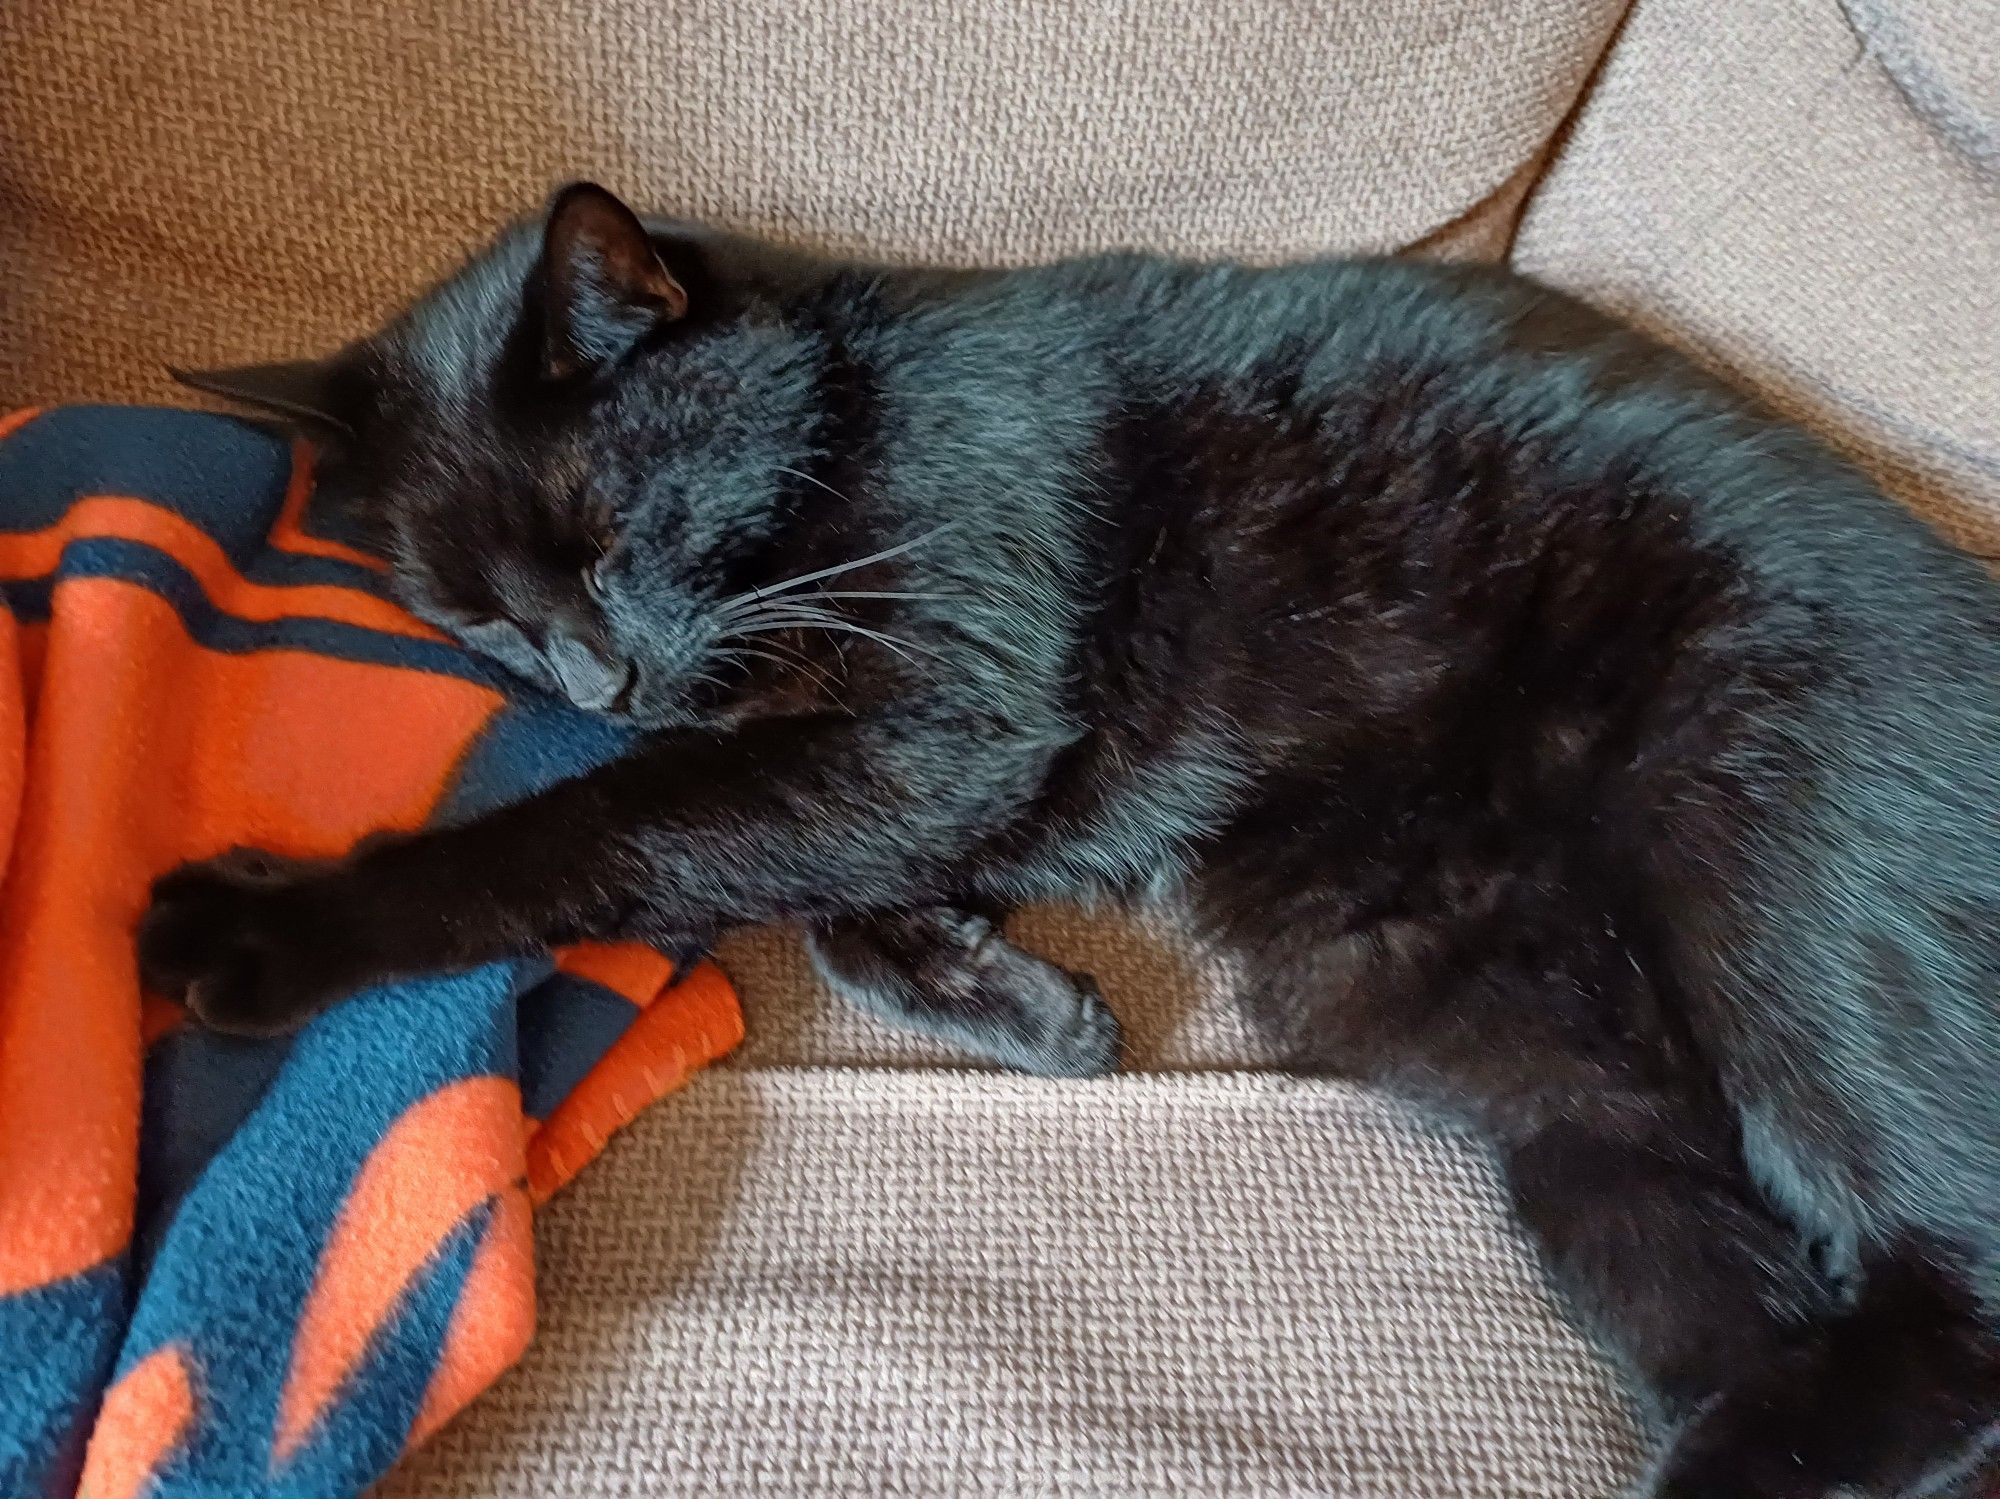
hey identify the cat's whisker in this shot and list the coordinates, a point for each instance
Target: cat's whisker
(846, 627)
(820, 483)
(883, 594)
(734, 647)
(774, 590)
(774, 616)
(793, 612)
(798, 659)
(800, 604)
(733, 651)
(833, 627)
(738, 652)
(730, 650)
(796, 610)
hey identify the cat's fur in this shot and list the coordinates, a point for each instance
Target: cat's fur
(1552, 734)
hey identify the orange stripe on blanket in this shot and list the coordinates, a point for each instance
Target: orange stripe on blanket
(144, 750)
(69, 1042)
(289, 534)
(31, 649)
(291, 751)
(493, 1321)
(14, 421)
(686, 1027)
(637, 972)
(37, 553)
(15, 654)
(159, 1018)
(144, 1419)
(445, 1156)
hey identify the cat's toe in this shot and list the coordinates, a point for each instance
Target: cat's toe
(1083, 1040)
(1037, 1017)
(236, 997)
(224, 939)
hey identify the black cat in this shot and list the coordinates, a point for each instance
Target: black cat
(1552, 734)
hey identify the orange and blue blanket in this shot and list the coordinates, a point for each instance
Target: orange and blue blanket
(236, 1267)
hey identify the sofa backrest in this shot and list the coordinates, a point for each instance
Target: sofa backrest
(241, 178)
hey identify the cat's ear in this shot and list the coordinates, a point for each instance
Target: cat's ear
(323, 395)
(603, 284)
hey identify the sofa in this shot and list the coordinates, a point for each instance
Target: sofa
(845, 1262)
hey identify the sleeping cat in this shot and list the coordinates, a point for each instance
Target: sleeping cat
(1550, 733)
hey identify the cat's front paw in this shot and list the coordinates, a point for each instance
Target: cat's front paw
(244, 941)
(1078, 1039)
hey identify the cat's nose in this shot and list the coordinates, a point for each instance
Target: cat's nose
(589, 679)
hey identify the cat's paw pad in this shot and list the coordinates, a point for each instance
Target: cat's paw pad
(232, 939)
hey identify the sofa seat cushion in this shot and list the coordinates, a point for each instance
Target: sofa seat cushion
(915, 1282)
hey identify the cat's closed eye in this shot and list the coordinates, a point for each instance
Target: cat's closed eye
(484, 629)
(506, 642)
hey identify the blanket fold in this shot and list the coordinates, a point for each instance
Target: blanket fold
(234, 1267)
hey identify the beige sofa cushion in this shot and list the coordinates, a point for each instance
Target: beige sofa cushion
(1808, 195)
(900, 1283)
(241, 177)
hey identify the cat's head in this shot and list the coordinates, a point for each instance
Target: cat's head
(570, 460)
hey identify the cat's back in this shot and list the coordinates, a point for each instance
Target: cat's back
(1186, 323)
(1451, 422)
(1395, 368)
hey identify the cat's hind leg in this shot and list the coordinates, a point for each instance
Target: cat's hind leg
(1775, 1380)
(1779, 1376)
(1896, 1394)
(952, 973)
(1774, 1373)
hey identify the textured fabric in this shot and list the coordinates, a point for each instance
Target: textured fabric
(292, 1256)
(888, 1283)
(207, 183)
(1816, 208)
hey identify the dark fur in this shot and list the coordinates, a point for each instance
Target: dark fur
(1552, 734)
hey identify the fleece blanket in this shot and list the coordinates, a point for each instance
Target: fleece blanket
(235, 1267)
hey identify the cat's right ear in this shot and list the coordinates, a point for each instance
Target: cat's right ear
(322, 395)
(603, 285)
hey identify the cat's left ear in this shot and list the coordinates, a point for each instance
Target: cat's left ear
(603, 284)
(324, 396)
